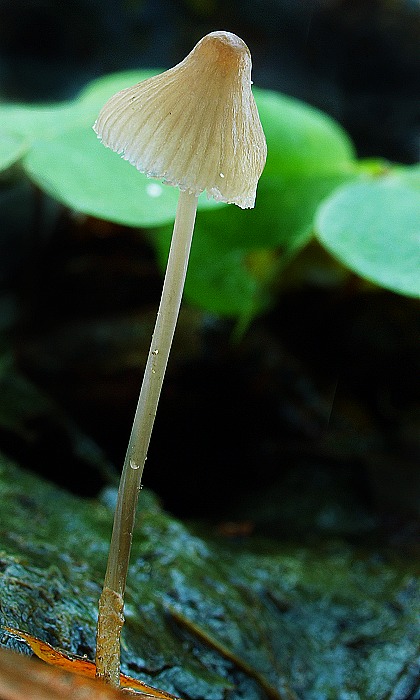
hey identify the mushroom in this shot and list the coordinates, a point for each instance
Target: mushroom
(196, 127)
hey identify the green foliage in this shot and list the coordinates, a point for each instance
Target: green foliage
(374, 229)
(365, 214)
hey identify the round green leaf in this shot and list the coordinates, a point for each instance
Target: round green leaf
(300, 138)
(12, 147)
(374, 229)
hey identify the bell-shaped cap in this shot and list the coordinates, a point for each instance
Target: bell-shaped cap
(196, 126)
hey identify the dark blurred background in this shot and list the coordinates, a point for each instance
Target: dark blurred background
(312, 420)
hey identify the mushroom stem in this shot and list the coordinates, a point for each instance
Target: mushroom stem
(110, 619)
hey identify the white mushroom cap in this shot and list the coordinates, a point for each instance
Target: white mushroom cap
(196, 126)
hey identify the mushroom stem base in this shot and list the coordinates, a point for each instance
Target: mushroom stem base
(110, 622)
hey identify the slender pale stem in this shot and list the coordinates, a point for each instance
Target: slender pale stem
(110, 620)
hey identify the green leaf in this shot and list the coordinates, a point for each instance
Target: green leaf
(300, 138)
(374, 229)
(12, 147)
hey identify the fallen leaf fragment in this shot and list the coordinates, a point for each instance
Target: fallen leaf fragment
(76, 671)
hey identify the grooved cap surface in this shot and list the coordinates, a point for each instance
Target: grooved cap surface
(195, 126)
